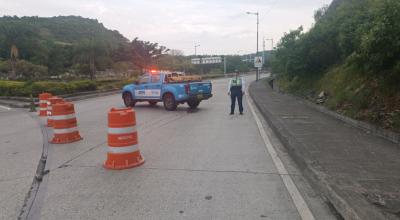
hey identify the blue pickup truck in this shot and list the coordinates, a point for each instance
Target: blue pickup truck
(155, 86)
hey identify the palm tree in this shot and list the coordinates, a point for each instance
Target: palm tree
(14, 34)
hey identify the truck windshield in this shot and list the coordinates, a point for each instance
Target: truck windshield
(144, 79)
(155, 78)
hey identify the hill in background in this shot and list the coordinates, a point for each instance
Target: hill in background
(34, 47)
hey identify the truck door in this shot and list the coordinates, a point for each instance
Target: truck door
(153, 88)
(140, 90)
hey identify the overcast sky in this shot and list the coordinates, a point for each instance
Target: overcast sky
(220, 27)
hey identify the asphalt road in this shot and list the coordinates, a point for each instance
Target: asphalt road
(20, 150)
(204, 164)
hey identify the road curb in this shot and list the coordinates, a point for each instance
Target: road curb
(21, 102)
(14, 104)
(92, 95)
(309, 167)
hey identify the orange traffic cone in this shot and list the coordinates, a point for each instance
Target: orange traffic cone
(43, 97)
(64, 123)
(52, 101)
(123, 151)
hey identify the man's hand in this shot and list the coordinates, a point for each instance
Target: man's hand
(229, 93)
(243, 92)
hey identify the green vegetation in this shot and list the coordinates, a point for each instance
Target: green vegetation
(19, 88)
(59, 46)
(34, 48)
(352, 53)
(60, 55)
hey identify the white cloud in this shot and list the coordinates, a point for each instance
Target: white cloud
(219, 26)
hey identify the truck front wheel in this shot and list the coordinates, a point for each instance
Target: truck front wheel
(128, 99)
(193, 104)
(169, 102)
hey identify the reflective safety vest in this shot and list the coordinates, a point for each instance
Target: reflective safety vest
(236, 85)
(236, 82)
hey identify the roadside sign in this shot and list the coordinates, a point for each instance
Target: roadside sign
(196, 60)
(211, 60)
(258, 62)
(207, 60)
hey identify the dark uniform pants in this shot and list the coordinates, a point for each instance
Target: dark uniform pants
(236, 95)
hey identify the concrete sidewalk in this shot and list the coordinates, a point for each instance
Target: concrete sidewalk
(357, 172)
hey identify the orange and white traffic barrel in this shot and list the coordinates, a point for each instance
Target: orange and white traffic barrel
(51, 101)
(123, 151)
(65, 126)
(43, 97)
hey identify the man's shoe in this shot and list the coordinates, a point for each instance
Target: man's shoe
(231, 113)
(241, 113)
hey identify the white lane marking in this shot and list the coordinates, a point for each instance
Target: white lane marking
(4, 107)
(298, 200)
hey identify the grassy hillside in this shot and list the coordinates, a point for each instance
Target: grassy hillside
(352, 53)
(71, 44)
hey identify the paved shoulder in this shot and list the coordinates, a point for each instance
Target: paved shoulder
(356, 171)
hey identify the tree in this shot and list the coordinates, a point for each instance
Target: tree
(17, 37)
(89, 51)
(144, 53)
(174, 52)
(13, 59)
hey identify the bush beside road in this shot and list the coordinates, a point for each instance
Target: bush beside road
(25, 89)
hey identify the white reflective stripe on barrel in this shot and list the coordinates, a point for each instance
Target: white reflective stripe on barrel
(42, 101)
(49, 108)
(122, 150)
(125, 130)
(63, 117)
(64, 130)
(43, 109)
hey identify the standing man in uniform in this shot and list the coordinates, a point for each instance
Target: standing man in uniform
(236, 91)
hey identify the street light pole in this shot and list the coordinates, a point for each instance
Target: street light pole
(195, 48)
(263, 53)
(256, 13)
(258, 69)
